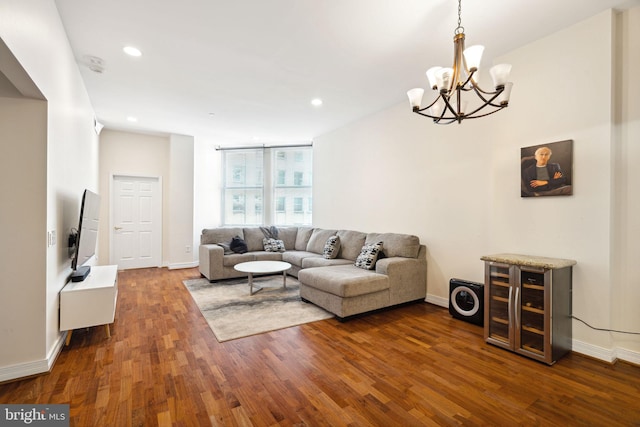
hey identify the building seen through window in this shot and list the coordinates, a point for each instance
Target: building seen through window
(267, 186)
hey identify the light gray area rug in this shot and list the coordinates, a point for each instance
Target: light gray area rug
(232, 313)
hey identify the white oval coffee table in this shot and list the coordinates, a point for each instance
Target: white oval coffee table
(263, 267)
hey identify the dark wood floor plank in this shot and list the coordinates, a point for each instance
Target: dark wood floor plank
(410, 366)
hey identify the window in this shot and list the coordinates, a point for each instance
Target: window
(238, 174)
(282, 197)
(238, 204)
(242, 192)
(292, 186)
(258, 205)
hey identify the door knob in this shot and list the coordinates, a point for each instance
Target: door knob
(117, 228)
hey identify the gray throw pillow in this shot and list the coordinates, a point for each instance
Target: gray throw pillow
(226, 247)
(273, 245)
(331, 248)
(368, 256)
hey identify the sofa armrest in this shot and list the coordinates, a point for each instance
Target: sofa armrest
(407, 278)
(211, 261)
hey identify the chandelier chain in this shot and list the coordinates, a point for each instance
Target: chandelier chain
(460, 28)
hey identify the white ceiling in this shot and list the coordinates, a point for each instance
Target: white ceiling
(245, 71)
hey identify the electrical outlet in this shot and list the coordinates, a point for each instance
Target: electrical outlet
(187, 249)
(51, 238)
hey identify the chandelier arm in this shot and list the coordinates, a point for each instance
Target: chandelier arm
(474, 86)
(435, 118)
(488, 101)
(438, 119)
(441, 120)
(472, 115)
(485, 114)
(432, 104)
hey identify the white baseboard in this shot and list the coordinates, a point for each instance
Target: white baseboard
(601, 353)
(35, 367)
(179, 265)
(597, 352)
(608, 355)
(435, 300)
(628, 356)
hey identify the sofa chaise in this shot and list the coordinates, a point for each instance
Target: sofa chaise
(345, 272)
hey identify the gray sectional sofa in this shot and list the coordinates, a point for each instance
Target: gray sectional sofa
(335, 283)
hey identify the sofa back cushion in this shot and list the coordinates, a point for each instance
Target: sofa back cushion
(318, 239)
(302, 238)
(351, 243)
(394, 244)
(219, 235)
(253, 236)
(288, 236)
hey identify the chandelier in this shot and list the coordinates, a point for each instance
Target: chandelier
(455, 85)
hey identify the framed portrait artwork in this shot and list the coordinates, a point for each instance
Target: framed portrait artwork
(546, 170)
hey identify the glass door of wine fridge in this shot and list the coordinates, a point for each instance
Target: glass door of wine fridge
(498, 305)
(531, 303)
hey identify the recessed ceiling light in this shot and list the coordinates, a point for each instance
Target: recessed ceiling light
(316, 102)
(132, 51)
(132, 119)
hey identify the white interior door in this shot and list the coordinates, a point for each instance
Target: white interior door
(136, 218)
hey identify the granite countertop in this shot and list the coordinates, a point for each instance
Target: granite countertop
(530, 261)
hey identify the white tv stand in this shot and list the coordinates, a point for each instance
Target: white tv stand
(91, 302)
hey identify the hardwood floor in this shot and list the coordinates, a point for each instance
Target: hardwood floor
(410, 366)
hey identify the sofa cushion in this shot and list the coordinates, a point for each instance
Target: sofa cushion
(267, 256)
(344, 280)
(317, 261)
(351, 243)
(273, 245)
(219, 235)
(288, 236)
(368, 256)
(302, 238)
(331, 247)
(318, 239)
(395, 244)
(231, 260)
(296, 257)
(253, 236)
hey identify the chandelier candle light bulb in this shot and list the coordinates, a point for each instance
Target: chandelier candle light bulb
(462, 79)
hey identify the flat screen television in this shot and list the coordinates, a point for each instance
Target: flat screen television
(87, 236)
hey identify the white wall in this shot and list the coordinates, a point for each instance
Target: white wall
(207, 187)
(22, 283)
(458, 188)
(181, 239)
(169, 157)
(135, 154)
(626, 203)
(60, 167)
(576, 227)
